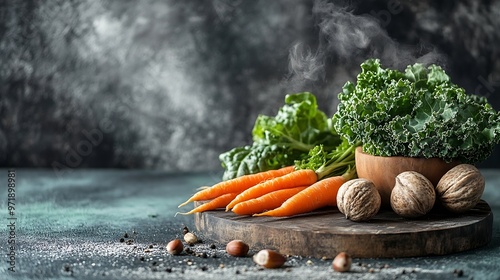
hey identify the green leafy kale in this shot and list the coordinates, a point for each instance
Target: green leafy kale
(281, 140)
(418, 113)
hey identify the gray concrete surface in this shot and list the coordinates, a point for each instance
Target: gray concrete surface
(69, 227)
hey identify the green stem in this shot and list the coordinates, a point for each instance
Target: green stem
(345, 160)
(350, 173)
(299, 145)
(329, 169)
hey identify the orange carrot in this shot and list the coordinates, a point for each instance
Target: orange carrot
(218, 202)
(266, 202)
(321, 194)
(297, 178)
(237, 185)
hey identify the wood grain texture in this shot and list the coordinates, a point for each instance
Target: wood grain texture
(325, 233)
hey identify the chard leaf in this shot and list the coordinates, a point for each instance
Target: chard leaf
(280, 140)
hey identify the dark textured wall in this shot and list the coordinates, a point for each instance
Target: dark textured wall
(172, 84)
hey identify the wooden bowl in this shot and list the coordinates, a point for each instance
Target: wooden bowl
(382, 171)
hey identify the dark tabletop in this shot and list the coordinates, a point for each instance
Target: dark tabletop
(115, 224)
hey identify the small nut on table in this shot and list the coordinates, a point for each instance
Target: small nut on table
(269, 258)
(413, 195)
(342, 262)
(461, 188)
(237, 248)
(190, 238)
(175, 247)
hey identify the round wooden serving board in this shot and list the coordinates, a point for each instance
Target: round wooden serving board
(327, 232)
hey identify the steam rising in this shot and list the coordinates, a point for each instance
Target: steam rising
(346, 40)
(303, 62)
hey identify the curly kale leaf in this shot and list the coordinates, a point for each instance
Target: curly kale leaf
(418, 113)
(280, 140)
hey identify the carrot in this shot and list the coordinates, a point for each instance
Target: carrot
(237, 185)
(320, 194)
(265, 202)
(297, 178)
(213, 204)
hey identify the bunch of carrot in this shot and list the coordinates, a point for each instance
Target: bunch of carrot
(283, 192)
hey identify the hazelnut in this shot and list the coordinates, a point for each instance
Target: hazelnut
(342, 262)
(358, 200)
(461, 188)
(237, 248)
(175, 247)
(413, 195)
(269, 258)
(190, 238)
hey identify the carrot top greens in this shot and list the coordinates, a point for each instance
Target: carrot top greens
(336, 162)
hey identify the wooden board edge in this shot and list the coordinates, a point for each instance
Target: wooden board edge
(434, 242)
